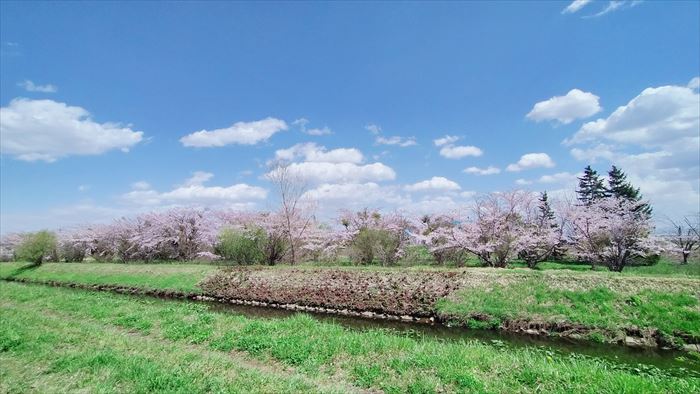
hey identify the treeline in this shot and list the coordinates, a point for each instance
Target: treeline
(608, 224)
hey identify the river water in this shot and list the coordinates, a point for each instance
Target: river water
(673, 362)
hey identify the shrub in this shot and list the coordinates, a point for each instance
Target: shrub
(242, 246)
(387, 246)
(274, 247)
(71, 253)
(648, 260)
(370, 243)
(36, 246)
(363, 246)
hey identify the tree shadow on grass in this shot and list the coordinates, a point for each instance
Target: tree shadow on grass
(21, 270)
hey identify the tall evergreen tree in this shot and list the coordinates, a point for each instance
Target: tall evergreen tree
(620, 187)
(547, 216)
(546, 212)
(590, 186)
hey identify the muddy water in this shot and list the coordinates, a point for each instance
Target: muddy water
(673, 362)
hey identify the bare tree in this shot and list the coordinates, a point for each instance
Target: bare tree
(296, 211)
(686, 235)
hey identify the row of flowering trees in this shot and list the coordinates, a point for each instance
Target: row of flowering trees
(607, 225)
(498, 229)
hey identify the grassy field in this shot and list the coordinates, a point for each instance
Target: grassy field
(673, 313)
(604, 305)
(183, 277)
(57, 340)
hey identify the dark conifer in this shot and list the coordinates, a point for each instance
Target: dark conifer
(547, 216)
(620, 187)
(590, 186)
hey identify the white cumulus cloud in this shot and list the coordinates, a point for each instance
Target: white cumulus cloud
(576, 104)
(30, 86)
(49, 130)
(325, 130)
(559, 177)
(566, 179)
(653, 118)
(446, 140)
(311, 152)
(451, 151)
(194, 192)
(458, 152)
(531, 160)
(243, 133)
(490, 170)
(396, 140)
(198, 178)
(694, 83)
(334, 197)
(434, 183)
(328, 172)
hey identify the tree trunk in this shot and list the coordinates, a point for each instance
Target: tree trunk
(531, 263)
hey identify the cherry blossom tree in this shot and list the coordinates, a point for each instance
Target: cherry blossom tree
(176, 234)
(497, 229)
(323, 243)
(9, 244)
(611, 231)
(498, 226)
(541, 233)
(72, 244)
(491, 229)
(432, 233)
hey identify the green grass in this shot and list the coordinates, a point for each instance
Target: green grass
(597, 307)
(55, 339)
(664, 267)
(599, 300)
(183, 277)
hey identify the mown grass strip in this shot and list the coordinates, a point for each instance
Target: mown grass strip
(181, 277)
(49, 350)
(374, 359)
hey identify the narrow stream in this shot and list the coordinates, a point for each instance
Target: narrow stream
(671, 362)
(674, 362)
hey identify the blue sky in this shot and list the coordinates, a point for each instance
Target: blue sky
(97, 97)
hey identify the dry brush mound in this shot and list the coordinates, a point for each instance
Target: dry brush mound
(396, 292)
(399, 293)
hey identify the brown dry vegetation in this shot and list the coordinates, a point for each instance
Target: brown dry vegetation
(406, 292)
(398, 293)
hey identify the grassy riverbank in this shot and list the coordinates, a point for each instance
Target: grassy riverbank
(182, 277)
(54, 339)
(637, 309)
